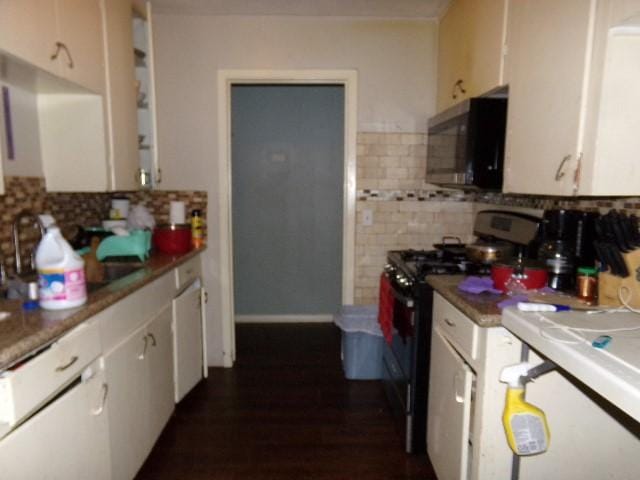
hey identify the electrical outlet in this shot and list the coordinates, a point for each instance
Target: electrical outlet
(367, 218)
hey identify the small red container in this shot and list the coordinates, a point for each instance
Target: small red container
(172, 238)
(534, 277)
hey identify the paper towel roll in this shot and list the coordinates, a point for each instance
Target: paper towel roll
(177, 212)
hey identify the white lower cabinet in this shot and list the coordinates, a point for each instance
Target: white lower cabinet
(466, 439)
(161, 391)
(449, 410)
(93, 404)
(188, 340)
(128, 423)
(66, 440)
(140, 376)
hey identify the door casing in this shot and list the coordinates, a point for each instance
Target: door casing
(226, 78)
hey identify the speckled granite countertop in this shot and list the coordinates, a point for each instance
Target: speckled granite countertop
(26, 332)
(480, 308)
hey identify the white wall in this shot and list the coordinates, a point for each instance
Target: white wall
(395, 60)
(26, 136)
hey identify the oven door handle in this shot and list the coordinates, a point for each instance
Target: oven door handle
(406, 301)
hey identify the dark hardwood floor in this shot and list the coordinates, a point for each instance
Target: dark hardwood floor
(284, 411)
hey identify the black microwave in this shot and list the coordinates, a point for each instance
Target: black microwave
(465, 147)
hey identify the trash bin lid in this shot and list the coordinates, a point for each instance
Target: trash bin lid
(359, 318)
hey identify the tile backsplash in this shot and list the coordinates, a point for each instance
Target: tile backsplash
(409, 213)
(405, 211)
(77, 208)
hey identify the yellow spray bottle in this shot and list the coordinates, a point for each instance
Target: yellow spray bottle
(525, 424)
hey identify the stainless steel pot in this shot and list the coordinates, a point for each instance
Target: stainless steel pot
(489, 252)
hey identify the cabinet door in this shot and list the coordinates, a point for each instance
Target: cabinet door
(126, 372)
(160, 376)
(28, 31)
(454, 49)
(80, 30)
(449, 411)
(187, 317)
(549, 43)
(121, 94)
(66, 440)
(487, 46)
(470, 49)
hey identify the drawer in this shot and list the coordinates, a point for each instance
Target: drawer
(188, 272)
(457, 327)
(26, 387)
(127, 315)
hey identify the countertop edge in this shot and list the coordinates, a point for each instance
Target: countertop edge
(98, 301)
(481, 308)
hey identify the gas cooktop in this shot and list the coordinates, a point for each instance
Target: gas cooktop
(417, 264)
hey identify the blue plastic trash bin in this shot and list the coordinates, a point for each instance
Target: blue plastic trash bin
(362, 342)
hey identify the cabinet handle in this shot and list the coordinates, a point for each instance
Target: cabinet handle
(559, 172)
(458, 86)
(62, 368)
(100, 409)
(159, 175)
(153, 339)
(451, 323)
(206, 296)
(144, 350)
(59, 47)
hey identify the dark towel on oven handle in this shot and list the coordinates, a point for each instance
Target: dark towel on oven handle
(386, 310)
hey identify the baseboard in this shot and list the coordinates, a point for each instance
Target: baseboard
(283, 318)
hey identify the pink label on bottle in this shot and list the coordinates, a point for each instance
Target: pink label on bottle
(75, 285)
(61, 285)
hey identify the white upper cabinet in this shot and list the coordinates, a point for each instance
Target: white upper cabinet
(62, 37)
(549, 46)
(574, 102)
(610, 164)
(80, 31)
(28, 31)
(470, 50)
(120, 96)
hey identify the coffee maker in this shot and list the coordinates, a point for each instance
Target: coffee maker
(566, 243)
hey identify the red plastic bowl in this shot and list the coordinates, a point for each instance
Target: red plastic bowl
(173, 238)
(535, 276)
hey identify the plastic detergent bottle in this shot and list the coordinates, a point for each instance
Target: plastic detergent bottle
(525, 424)
(61, 280)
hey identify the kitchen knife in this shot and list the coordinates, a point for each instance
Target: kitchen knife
(635, 228)
(617, 232)
(627, 230)
(617, 261)
(602, 256)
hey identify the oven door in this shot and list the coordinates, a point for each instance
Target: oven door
(397, 361)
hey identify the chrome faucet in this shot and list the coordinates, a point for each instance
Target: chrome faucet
(15, 230)
(3, 273)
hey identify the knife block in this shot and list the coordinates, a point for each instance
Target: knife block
(609, 285)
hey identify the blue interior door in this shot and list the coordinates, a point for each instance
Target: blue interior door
(287, 194)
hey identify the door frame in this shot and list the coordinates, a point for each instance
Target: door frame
(226, 78)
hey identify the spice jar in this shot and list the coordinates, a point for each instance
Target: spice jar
(587, 284)
(197, 229)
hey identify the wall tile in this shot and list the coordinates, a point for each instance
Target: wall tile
(72, 209)
(409, 213)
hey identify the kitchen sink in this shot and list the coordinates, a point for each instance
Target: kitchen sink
(114, 271)
(17, 286)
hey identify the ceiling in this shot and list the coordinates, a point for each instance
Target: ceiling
(331, 8)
